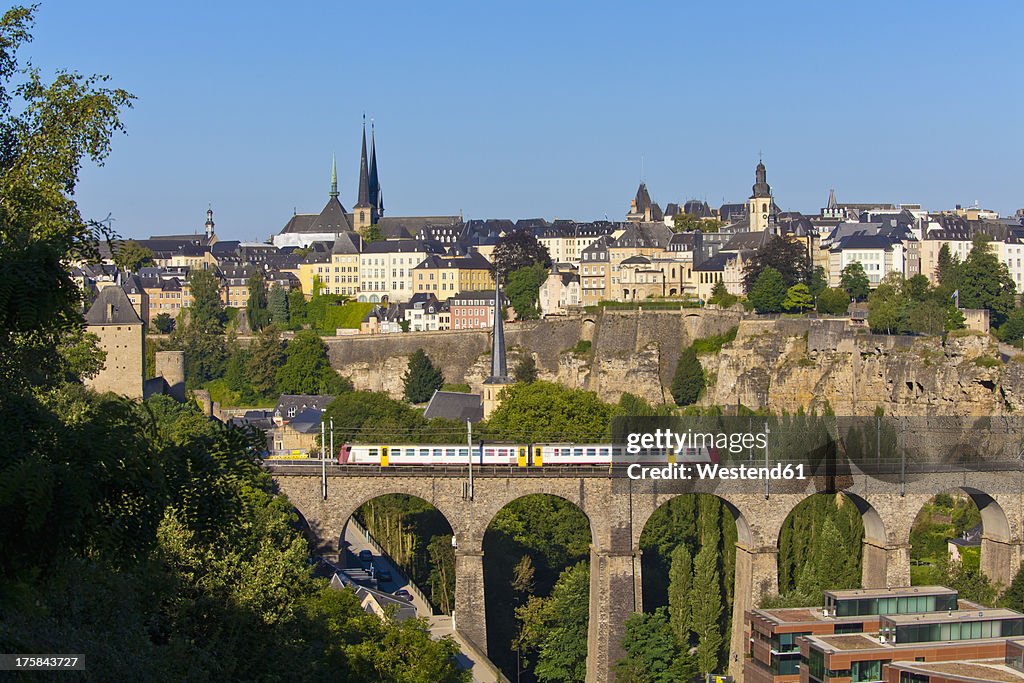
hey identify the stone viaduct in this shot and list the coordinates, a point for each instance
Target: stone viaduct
(618, 508)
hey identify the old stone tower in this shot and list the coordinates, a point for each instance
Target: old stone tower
(113, 319)
(499, 378)
(759, 206)
(370, 203)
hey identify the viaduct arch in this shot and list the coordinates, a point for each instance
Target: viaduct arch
(618, 508)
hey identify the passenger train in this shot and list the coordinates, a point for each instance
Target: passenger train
(514, 455)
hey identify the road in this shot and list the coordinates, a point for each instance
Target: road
(482, 670)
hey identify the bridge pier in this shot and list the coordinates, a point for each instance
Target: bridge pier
(614, 575)
(757, 575)
(885, 565)
(1000, 560)
(470, 612)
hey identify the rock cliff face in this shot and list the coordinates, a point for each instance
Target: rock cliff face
(787, 364)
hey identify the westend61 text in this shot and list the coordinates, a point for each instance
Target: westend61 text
(715, 471)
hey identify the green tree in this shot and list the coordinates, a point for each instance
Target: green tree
(833, 301)
(1012, 331)
(544, 411)
(819, 282)
(948, 269)
(985, 282)
(206, 312)
(523, 290)
(720, 295)
(788, 259)
(518, 249)
(928, 315)
(525, 370)
(256, 306)
(706, 609)
(130, 256)
(277, 306)
(652, 655)
(768, 292)
(555, 628)
(206, 353)
(422, 378)
(1013, 598)
(163, 323)
(266, 357)
(689, 379)
(798, 298)
(680, 587)
(854, 281)
(886, 306)
(82, 355)
(372, 234)
(296, 308)
(307, 370)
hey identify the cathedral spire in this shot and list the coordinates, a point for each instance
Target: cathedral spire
(375, 194)
(364, 176)
(499, 370)
(334, 178)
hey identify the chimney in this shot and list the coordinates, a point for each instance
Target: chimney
(110, 312)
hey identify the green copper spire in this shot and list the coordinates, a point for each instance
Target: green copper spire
(334, 178)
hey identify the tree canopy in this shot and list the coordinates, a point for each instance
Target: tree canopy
(787, 258)
(518, 249)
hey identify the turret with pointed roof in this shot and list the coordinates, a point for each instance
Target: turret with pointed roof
(376, 196)
(364, 212)
(499, 378)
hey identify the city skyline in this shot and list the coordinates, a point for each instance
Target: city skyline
(245, 111)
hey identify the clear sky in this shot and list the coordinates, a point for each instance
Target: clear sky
(550, 109)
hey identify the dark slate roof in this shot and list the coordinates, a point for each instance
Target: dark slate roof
(731, 213)
(121, 313)
(970, 539)
(412, 225)
(487, 296)
(306, 421)
(748, 241)
(715, 263)
(225, 248)
(346, 243)
(639, 260)
(132, 284)
(697, 209)
(398, 246)
(452, 405)
(300, 401)
(299, 223)
(862, 241)
(331, 219)
(472, 260)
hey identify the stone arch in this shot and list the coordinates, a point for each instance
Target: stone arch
(587, 329)
(997, 543)
(496, 575)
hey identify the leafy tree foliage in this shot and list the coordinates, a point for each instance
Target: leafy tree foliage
(525, 370)
(854, 281)
(422, 378)
(1012, 331)
(689, 380)
(163, 323)
(266, 356)
(798, 298)
(768, 292)
(985, 281)
(518, 249)
(206, 312)
(372, 417)
(130, 256)
(720, 296)
(523, 290)
(706, 608)
(898, 306)
(296, 308)
(543, 411)
(680, 587)
(819, 282)
(834, 301)
(947, 269)
(684, 222)
(256, 306)
(206, 353)
(788, 259)
(886, 307)
(555, 627)
(652, 655)
(277, 306)
(307, 370)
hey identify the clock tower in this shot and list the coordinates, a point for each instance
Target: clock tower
(759, 206)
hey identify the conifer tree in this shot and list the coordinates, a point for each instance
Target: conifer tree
(277, 306)
(680, 586)
(422, 378)
(689, 379)
(706, 608)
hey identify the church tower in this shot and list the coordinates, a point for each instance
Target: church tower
(209, 224)
(376, 196)
(499, 378)
(759, 206)
(364, 213)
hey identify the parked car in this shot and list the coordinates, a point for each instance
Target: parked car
(404, 594)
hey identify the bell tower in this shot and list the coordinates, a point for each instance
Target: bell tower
(759, 206)
(364, 213)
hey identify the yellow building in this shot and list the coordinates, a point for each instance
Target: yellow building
(444, 276)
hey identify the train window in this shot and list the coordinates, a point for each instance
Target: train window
(424, 452)
(437, 452)
(463, 452)
(449, 452)
(591, 452)
(578, 452)
(616, 452)
(373, 452)
(603, 452)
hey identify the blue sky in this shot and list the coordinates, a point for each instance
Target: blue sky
(546, 109)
